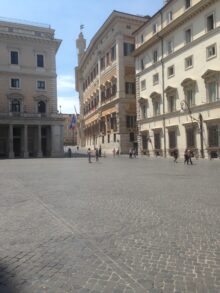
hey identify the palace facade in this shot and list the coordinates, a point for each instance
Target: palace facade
(178, 79)
(105, 80)
(29, 123)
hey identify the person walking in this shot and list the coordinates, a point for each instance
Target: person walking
(100, 151)
(130, 153)
(96, 154)
(89, 155)
(113, 152)
(186, 158)
(175, 155)
(189, 157)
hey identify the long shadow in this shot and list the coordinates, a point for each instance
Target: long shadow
(7, 280)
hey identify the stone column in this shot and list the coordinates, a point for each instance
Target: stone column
(26, 154)
(11, 149)
(39, 151)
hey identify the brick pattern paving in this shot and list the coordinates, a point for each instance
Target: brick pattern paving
(118, 225)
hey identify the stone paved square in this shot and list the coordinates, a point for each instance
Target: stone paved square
(118, 225)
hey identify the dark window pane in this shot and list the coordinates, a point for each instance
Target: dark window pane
(14, 57)
(40, 60)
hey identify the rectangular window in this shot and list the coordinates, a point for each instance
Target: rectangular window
(128, 49)
(170, 71)
(157, 141)
(15, 83)
(172, 139)
(144, 111)
(142, 64)
(190, 137)
(41, 85)
(130, 121)
(108, 138)
(155, 56)
(103, 139)
(102, 63)
(142, 39)
(210, 22)
(212, 91)
(154, 28)
(14, 57)
(169, 16)
(143, 85)
(40, 60)
(114, 137)
(107, 59)
(155, 78)
(188, 62)
(190, 97)
(156, 108)
(187, 3)
(188, 36)
(211, 51)
(113, 53)
(171, 104)
(213, 136)
(170, 47)
(130, 88)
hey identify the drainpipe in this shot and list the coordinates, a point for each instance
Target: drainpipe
(163, 87)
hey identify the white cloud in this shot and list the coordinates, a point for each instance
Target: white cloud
(65, 83)
(67, 104)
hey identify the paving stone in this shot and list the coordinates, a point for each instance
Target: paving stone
(137, 226)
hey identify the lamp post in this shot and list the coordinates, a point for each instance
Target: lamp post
(199, 122)
(60, 109)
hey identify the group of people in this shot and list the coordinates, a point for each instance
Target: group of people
(188, 154)
(188, 157)
(115, 152)
(132, 153)
(98, 153)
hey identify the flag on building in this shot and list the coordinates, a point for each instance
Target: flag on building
(73, 120)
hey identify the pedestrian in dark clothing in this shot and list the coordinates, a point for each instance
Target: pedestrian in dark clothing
(96, 154)
(100, 151)
(175, 155)
(189, 157)
(186, 158)
(69, 152)
(89, 155)
(130, 153)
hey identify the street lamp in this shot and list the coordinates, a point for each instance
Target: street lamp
(199, 122)
(60, 109)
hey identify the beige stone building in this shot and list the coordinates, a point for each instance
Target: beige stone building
(105, 80)
(178, 79)
(29, 123)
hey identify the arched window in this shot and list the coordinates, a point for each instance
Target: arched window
(41, 107)
(15, 106)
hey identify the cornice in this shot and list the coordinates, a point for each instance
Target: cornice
(195, 110)
(12, 36)
(187, 15)
(28, 73)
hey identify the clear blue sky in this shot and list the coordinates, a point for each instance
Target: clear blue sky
(65, 17)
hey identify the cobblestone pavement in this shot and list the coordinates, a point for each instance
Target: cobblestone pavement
(118, 225)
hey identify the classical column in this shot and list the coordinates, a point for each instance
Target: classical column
(11, 149)
(26, 154)
(39, 151)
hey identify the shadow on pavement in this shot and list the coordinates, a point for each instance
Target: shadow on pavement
(7, 285)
